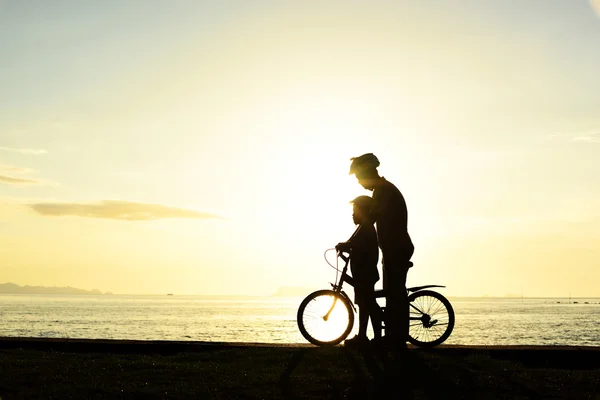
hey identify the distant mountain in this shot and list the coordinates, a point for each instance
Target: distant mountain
(13, 288)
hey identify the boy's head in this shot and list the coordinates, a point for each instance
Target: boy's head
(360, 210)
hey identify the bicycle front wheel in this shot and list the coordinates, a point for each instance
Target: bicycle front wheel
(431, 318)
(325, 318)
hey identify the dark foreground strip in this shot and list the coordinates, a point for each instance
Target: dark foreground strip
(573, 357)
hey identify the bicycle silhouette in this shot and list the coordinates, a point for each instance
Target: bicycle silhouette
(326, 317)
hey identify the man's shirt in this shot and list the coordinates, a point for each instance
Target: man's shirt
(391, 217)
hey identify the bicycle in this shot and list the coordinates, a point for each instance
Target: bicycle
(326, 317)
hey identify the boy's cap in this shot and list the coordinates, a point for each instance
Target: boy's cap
(362, 202)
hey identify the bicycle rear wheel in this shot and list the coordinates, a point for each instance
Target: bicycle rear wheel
(325, 318)
(432, 318)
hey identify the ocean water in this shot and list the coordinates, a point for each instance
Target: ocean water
(479, 321)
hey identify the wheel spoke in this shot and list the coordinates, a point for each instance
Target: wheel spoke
(432, 305)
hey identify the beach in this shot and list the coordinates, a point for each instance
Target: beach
(39, 368)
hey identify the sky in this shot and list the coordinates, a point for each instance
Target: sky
(202, 147)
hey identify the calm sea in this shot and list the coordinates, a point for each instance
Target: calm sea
(479, 321)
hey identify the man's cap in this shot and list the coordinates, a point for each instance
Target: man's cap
(366, 161)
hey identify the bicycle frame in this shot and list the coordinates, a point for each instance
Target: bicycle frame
(317, 309)
(344, 277)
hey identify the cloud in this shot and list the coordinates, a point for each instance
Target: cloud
(120, 210)
(587, 138)
(12, 169)
(16, 181)
(24, 151)
(7, 170)
(581, 137)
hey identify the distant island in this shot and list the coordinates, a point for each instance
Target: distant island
(16, 289)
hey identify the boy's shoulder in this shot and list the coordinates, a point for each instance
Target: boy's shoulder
(367, 230)
(367, 227)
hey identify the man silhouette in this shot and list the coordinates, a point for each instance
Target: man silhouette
(390, 215)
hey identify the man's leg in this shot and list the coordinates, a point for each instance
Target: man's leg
(397, 314)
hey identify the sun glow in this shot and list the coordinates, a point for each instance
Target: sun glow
(307, 179)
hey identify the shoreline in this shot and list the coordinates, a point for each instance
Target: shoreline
(52, 342)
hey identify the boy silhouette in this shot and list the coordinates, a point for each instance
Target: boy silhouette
(364, 252)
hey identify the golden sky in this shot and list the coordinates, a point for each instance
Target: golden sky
(203, 147)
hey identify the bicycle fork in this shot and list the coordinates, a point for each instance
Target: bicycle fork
(326, 316)
(335, 299)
